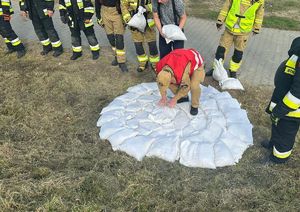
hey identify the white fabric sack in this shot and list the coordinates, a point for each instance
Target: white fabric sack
(219, 73)
(223, 156)
(236, 116)
(242, 131)
(197, 154)
(138, 21)
(136, 147)
(106, 117)
(120, 136)
(228, 104)
(114, 105)
(166, 148)
(173, 32)
(110, 128)
(231, 83)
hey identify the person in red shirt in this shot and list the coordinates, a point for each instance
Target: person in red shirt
(182, 71)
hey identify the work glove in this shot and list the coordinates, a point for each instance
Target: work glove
(100, 22)
(6, 17)
(280, 110)
(274, 119)
(64, 19)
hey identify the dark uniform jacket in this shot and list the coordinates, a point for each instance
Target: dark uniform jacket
(77, 12)
(6, 8)
(37, 6)
(285, 102)
(107, 3)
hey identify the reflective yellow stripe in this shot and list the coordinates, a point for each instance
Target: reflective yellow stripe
(142, 58)
(89, 10)
(68, 4)
(291, 101)
(95, 48)
(259, 21)
(80, 5)
(292, 61)
(281, 155)
(88, 24)
(45, 42)
(293, 114)
(245, 2)
(154, 59)
(234, 67)
(151, 23)
(223, 13)
(61, 7)
(56, 44)
(6, 40)
(77, 48)
(120, 52)
(16, 42)
(6, 4)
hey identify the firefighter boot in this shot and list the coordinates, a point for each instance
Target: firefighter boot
(277, 160)
(267, 144)
(142, 68)
(46, 49)
(123, 67)
(58, 51)
(21, 53)
(76, 55)
(114, 62)
(95, 55)
(194, 111)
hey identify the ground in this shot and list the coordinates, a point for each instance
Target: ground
(51, 157)
(281, 14)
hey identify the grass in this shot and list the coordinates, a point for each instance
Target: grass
(280, 14)
(51, 157)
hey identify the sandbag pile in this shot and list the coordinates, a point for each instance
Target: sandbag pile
(216, 137)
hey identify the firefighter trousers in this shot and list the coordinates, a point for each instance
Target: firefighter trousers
(165, 48)
(90, 35)
(283, 138)
(12, 41)
(45, 30)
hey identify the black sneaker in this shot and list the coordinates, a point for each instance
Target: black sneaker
(232, 74)
(277, 160)
(46, 50)
(123, 67)
(267, 144)
(183, 99)
(114, 62)
(95, 54)
(76, 55)
(194, 111)
(21, 53)
(209, 73)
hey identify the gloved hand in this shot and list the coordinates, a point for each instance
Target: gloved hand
(6, 17)
(280, 110)
(219, 25)
(64, 19)
(100, 22)
(274, 119)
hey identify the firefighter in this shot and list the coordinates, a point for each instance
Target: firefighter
(78, 15)
(109, 16)
(11, 40)
(241, 17)
(41, 12)
(182, 71)
(284, 108)
(129, 9)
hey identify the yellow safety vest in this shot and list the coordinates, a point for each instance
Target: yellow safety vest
(244, 21)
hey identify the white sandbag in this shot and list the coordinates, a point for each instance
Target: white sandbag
(242, 131)
(223, 156)
(162, 115)
(173, 32)
(134, 107)
(222, 95)
(234, 144)
(185, 107)
(129, 115)
(219, 73)
(197, 154)
(139, 21)
(228, 104)
(128, 97)
(209, 104)
(236, 116)
(219, 120)
(114, 105)
(182, 120)
(166, 148)
(136, 147)
(120, 136)
(110, 128)
(208, 135)
(150, 86)
(148, 99)
(231, 83)
(132, 123)
(106, 117)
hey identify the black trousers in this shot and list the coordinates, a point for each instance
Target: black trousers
(90, 35)
(45, 30)
(11, 39)
(165, 48)
(284, 134)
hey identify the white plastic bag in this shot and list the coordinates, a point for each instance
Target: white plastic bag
(138, 21)
(231, 83)
(173, 32)
(219, 72)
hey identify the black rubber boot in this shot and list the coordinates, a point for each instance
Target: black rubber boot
(46, 50)
(194, 111)
(76, 55)
(114, 62)
(21, 53)
(95, 55)
(267, 144)
(58, 51)
(10, 51)
(123, 67)
(277, 160)
(232, 74)
(183, 99)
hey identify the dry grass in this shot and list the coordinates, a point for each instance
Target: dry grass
(51, 158)
(281, 14)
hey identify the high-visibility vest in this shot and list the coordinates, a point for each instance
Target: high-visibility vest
(244, 21)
